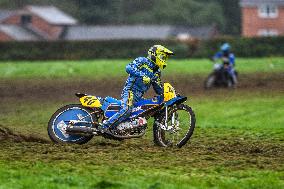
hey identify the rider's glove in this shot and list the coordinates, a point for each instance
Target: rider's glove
(146, 80)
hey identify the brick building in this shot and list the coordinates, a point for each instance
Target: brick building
(34, 23)
(38, 23)
(262, 17)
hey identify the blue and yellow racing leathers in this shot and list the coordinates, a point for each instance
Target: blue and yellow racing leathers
(230, 59)
(135, 88)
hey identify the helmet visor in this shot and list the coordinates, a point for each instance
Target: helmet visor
(163, 57)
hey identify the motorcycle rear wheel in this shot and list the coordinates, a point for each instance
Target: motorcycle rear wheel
(182, 131)
(59, 120)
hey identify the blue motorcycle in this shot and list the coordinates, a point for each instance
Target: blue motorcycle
(174, 121)
(220, 76)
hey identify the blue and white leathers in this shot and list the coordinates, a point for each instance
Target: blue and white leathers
(135, 88)
(230, 56)
(231, 60)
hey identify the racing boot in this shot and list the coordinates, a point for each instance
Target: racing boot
(104, 128)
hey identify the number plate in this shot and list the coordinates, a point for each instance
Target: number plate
(90, 101)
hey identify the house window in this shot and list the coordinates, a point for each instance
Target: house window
(267, 32)
(26, 19)
(268, 11)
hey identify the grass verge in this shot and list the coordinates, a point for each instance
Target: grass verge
(99, 69)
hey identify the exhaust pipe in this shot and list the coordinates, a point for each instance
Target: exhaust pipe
(81, 130)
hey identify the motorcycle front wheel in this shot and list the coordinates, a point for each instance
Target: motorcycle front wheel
(210, 81)
(179, 128)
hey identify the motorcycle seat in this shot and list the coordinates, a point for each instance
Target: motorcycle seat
(113, 101)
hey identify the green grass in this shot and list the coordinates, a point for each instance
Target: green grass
(236, 110)
(255, 111)
(238, 143)
(69, 175)
(98, 69)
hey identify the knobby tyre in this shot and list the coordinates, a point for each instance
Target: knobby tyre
(60, 119)
(181, 133)
(210, 81)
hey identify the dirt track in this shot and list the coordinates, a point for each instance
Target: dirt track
(8, 134)
(64, 89)
(25, 90)
(211, 146)
(232, 153)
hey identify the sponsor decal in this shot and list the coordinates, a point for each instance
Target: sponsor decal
(137, 109)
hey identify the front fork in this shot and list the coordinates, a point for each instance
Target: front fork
(165, 126)
(166, 117)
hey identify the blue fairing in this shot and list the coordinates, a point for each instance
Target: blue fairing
(176, 100)
(110, 101)
(112, 106)
(145, 104)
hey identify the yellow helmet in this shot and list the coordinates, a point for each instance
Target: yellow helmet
(159, 55)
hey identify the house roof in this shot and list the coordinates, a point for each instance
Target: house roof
(246, 3)
(52, 15)
(202, 32)
(5, 14)
(117, 32)
(18, 33)
(133, 32)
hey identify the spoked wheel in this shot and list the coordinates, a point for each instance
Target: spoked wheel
(210, 81)
(179, 128)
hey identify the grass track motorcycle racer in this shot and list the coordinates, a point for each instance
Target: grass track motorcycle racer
(174, 121)
(220, 77)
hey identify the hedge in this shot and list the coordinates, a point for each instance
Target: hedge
(76, 50)
(81, 49)
(246, 47)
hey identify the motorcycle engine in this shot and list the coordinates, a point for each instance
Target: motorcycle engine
(129, 125)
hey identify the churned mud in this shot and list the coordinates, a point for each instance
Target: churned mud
(65, 89)
(7, 134)
(202, 153)
(230, 152)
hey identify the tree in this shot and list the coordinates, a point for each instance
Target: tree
(232, 14)
(175, 12)
(188, 12)
(94, 11)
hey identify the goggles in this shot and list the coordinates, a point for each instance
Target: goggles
(163, 57)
